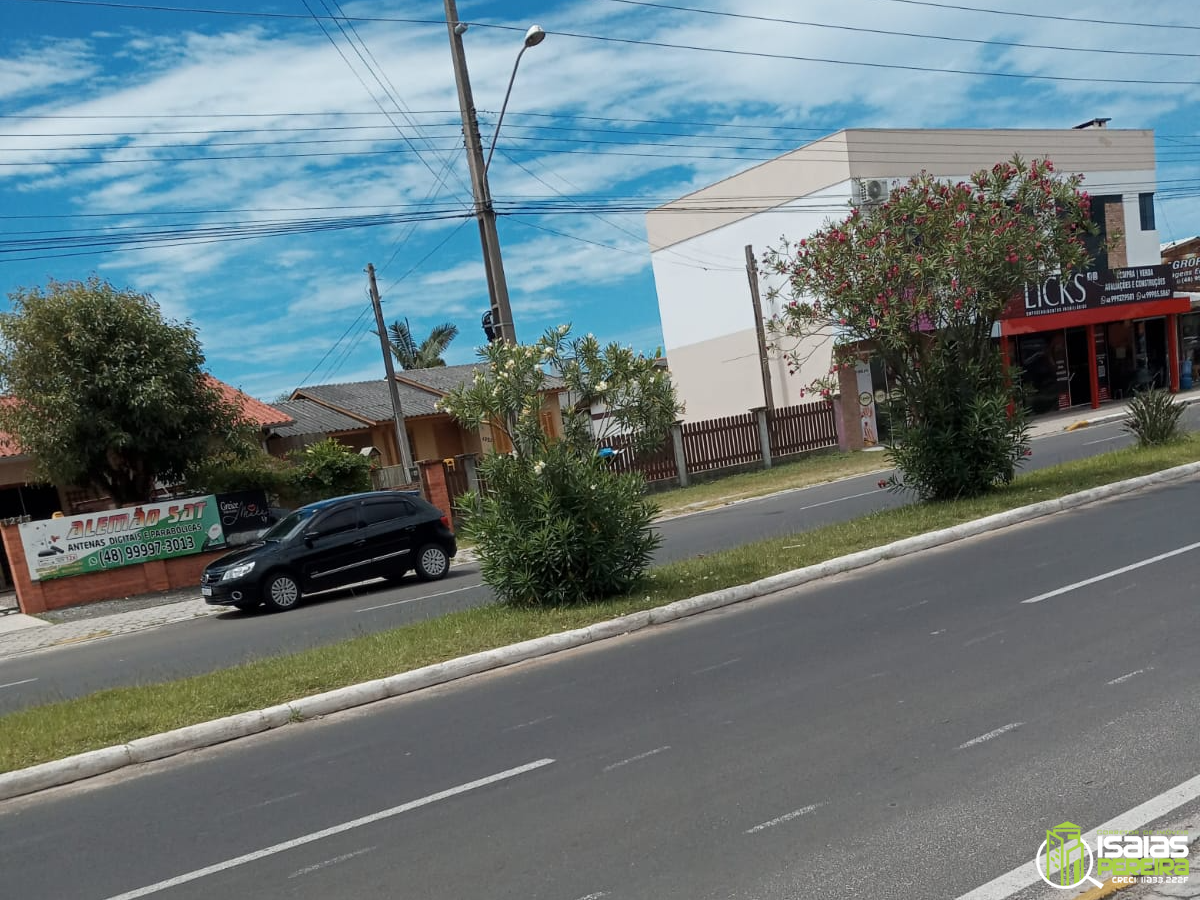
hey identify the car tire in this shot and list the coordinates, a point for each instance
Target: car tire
(432, 562)
(281, 592)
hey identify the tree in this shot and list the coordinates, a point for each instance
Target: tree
(427, 354)
(921, 280)
(104, 391)
(556, 524)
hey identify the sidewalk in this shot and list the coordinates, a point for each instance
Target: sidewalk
(21, 634)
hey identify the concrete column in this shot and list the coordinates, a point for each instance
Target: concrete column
(764, 435)
(680, 457)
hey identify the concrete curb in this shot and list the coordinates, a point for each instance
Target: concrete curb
(207, 734)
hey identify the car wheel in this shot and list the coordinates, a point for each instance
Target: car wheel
(247, 605)
(432, 563)
(282, 592)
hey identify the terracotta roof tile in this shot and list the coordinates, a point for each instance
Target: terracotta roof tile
(255, 411)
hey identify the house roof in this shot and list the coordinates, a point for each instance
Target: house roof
(309, 417)
(255, 411)
(371, 400)
(443, 379)
(1182, 242)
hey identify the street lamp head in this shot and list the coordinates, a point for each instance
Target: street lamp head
(534, 36)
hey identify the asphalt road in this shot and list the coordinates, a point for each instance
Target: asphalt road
(908, 731)
(204, 645)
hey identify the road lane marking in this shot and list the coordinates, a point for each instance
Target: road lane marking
(1003, 729)
(1115, 437)
(415, 599)
(838, 500)
(15, 683)
(528, 724)
(1152, 810)
(1113, 574)
(634, 759)
(728, 662)
(308, 870)
(197, 874)
(980, 640)
(1125, 678)
(795, 814)
(596, 896)
(912, 606)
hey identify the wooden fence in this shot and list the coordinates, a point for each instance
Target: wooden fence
(715, 444)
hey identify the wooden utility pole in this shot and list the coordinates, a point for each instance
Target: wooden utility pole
(764, 362)
(406, 459)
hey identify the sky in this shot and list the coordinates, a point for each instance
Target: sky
(242, 161)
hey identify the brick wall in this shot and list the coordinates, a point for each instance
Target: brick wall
(433, 485)
(1114, 226)
(160, 575)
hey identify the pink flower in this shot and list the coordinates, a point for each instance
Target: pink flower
(882, 483)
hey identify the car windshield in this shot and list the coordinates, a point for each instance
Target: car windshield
(288, 525)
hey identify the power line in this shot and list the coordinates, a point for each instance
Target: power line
(1076, 19)
(909, 34)
(321, 361)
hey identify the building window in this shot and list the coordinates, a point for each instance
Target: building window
(1146, 207)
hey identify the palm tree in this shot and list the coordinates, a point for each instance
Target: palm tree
(428, 353)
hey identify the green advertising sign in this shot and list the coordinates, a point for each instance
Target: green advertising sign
(95, 542)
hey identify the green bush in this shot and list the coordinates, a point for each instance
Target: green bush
(233, 471)
(325, 469)
(962, 440)
(1154, 417)
(561, 530)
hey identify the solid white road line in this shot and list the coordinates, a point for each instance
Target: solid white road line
(1003, 729)
(308, 870)
(633, 759)
(803, 811)
(1115, 437)
(979, 640)
(15, 683)
(329, 832)
(1026, 875)
(1113, 574)
(415, 599)
(838, 500)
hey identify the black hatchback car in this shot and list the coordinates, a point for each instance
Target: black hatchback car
(332, 543)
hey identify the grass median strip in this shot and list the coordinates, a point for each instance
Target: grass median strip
(119, 715)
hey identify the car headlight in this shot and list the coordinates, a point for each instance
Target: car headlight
(238, 571)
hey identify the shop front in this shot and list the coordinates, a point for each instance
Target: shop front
(1095, 337)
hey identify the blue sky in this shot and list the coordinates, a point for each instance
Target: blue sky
(126, 130)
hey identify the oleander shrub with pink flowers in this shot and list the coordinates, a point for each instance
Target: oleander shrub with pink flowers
(920, 281)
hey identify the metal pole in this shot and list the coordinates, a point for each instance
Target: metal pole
(764, 362)
(503, 107)
(406, 459)
(490, 239)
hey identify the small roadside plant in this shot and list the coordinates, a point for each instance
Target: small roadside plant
(1154, 417)
(556, 525)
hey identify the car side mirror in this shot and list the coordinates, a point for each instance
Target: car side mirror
(310, 536)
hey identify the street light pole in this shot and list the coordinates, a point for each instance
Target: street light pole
(502, 317)
(534, 36)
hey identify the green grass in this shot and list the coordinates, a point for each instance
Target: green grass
(122, 714)
(817, 468)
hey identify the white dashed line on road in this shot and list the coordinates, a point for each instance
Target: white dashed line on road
(634, 759)
(16, 683)
(528, 724)
(415, 599)
(728, 662)
(1125, 678)
(795, 814)
(1113, 574)
(308, 870)
(1003, 729)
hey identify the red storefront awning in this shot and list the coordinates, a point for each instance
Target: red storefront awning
(1117, 312)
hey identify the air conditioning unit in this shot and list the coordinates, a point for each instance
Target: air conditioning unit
(870, 191)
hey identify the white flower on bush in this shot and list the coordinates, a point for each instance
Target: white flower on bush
(601, 387)
(563, 329)
(548, 353)
(509, 364)
(539, 467)
(593, 487)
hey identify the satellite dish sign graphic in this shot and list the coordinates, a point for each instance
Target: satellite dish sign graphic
(1064, 860)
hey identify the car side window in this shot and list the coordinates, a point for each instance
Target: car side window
(388, 510)
(337, 522)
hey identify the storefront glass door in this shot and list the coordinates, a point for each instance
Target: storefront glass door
(1078, 373)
